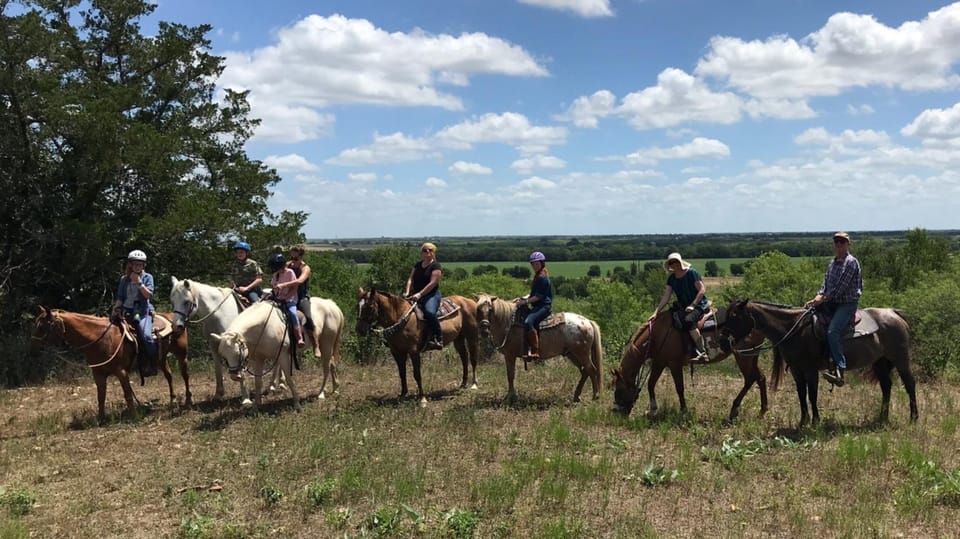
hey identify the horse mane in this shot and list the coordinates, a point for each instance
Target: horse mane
(503, 310)
(771, 304)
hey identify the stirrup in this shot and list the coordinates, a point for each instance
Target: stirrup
(833, 378)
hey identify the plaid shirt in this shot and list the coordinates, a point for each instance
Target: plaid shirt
(843, 282)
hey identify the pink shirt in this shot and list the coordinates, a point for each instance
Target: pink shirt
(288, 293)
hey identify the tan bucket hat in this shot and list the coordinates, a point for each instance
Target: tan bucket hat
(842, 235)
(678, 258)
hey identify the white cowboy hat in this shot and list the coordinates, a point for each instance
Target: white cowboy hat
(678, 258)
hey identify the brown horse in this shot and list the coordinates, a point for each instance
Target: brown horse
(881, 349)
(401, 330)
(667, 347)
(576, 337)
(107, 351)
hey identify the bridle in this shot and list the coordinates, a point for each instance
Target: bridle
(63, 337)
(755, 325)
(506, 331)
(193, 306)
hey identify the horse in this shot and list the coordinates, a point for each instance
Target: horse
(402, 332)
(568, 334)
(796, 345)
(257, 340)
(109, 350)
(667, 347)
(215, 308)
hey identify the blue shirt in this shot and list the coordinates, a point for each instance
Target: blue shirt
(542, 288)
(141, 305)
(843, 282)
(686, 288)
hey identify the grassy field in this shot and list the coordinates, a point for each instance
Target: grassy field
(364, 464)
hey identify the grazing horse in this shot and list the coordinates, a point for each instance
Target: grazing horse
(573, 336)
(214, 308)
(256, 341)
(402, 332)
(109, 350)
(797, 345)
(667, 347)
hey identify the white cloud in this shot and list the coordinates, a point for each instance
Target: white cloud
(585, 111)
(849, 51)
(435, 183)
(860, 110)
(393, 148)
(537, 183)
(584, 8)
(697, 148)
(526, 165)
(284, 123)
(939, 124)
(290, 163)
(322, 61)
(679, 98)
(364, 177)
(463, 168)
(848, 142)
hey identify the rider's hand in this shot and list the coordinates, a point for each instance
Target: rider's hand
(414, 297)
(689, 309)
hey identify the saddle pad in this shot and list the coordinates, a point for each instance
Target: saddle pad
(447, 309)
(865, 325)
(161, 326)
(554, 320)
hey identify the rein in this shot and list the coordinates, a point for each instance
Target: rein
(187, 316)
(63, 328)
(787, 335)
(388, 332)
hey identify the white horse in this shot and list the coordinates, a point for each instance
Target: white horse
(215, 309)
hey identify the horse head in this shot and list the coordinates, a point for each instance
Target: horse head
(485, 312)
(737, 324)
(184, 302)
(368, 311)
(233, 349)
(47, 329)
(625, 393)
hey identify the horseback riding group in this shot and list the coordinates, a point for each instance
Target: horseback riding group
(247, 333)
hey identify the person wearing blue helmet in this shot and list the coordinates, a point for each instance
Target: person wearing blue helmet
(539, 302)
(133, 304)
(247, 275)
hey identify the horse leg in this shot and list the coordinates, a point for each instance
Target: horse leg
(581, 383)
(511, 363)
(244, 394)
(415, 359)
(473, 346)
(288, 376)
(461, 348)
(801, 383)
(101, 381)
(762, 385)
(813, 390)
(910, 385)
(165, 367)
(401, 359)
(656, 370)
(127, 390)
(676, 371)
(881, 369)
(218, 369)
(257, 387)
(746, 370)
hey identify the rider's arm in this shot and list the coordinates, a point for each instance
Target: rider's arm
(146, 286)
(406, 292)
(434, 281)
(701, 291)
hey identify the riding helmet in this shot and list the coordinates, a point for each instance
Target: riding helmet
(242, 245)
(137, 255)
(537, 256)
(276, 262)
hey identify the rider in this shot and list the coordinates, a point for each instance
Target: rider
(539, 301)
(133, 304)
(686, 283)
(838, 296)
(425, 278)
(247, 275)
(302, 270)
(286, 296)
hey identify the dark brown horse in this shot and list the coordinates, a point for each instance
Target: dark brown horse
(663, 347)
(401, 330)
(796, 345)
(107, 351)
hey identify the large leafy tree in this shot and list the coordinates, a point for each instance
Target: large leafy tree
(110, 140)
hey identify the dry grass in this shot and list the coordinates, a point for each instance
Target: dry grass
(366, 464)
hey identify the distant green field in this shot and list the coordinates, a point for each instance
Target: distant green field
(580, 268)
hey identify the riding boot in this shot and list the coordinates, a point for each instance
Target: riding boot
(533, 339)
(435, 343)
(835, 376)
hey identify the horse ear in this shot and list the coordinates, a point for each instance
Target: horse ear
(186, 284)
(173, 280)
(216, 338)
(361, 293)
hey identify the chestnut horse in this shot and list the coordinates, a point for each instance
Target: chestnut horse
(107, 351)
(401, 331)
(667, 347)
(577, 338)
(797, 346)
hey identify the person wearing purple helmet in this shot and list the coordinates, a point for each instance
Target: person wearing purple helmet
(247, 275)
(538, 302)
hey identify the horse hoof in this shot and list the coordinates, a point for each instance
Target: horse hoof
(236, 377)
(247, 403)
(423, 402)
(474, 386)
(321, 396)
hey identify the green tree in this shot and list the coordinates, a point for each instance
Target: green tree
(112, 140)
(390, 267)
(594, 271)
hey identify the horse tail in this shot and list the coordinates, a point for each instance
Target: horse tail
(904, 316)
(596, 353)
(779, 366)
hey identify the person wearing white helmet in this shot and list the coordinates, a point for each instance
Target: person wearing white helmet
(539, 303)
(685, 281)
(133, 303)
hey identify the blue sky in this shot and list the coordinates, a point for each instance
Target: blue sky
(530, 117)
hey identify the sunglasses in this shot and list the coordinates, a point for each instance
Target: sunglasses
(426, 250)
(839, 240)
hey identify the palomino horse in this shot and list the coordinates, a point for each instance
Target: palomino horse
(666, 347)
(402, 332)
(214, 308)
(107, 351)
(576, 337)
(797, 345)
(256, 341)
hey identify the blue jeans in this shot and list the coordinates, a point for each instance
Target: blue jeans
(537, 315)
(145, 332)
(253, 295)
(290, 309)
(430, 305)
(838, 326)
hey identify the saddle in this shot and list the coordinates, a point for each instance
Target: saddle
(161, 328)
(448, 309)
(708, 321)
(861, 325)
(552, 321)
